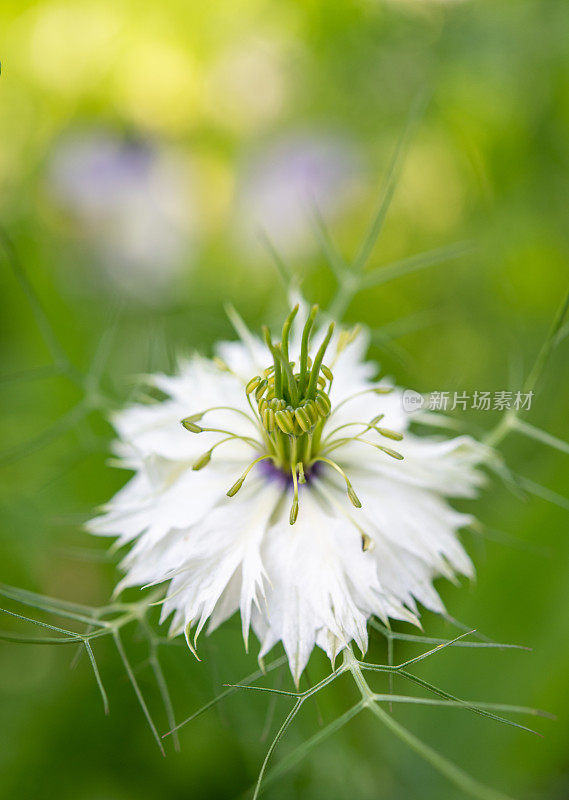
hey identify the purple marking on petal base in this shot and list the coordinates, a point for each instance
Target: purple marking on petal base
(273, 473)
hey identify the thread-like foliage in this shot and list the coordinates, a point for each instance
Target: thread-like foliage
(109, 621)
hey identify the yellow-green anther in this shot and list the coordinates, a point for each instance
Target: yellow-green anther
(321, 406)
(327, 372)
(252, 385)
(285, 421)
(367, 542)
(390, 452)
(376, 419)
(189, 425)
(353, 496)
(300, 470)
(269, 371)
(274, 403)
(203, 461)
(341, 342)
(293, 512)
(269, 419)
(305, 360)
(321, 382)
(346, 338)
(311, 393)
(236, 486)
(323, 403)
(303, 419)
(312, 411)
(383, 389)
(354, 333)
(220, 364)
(389, 434)
(196, 417)
(239, 483)
(260, 390)
(350, 489)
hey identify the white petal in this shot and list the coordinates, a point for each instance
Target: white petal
(320, 583)
(223, 548)
(178, 499)
(444, 466)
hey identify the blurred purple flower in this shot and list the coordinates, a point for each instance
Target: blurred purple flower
(283, 184)
(132, 202)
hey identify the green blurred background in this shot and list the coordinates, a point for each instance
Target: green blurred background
(142, 148)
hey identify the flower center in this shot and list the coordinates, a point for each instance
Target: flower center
(293, 401)
(290, 404)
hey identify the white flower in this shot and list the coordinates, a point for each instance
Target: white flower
(220, 510)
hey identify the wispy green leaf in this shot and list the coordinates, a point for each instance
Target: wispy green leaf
(64, 424)
(389, 183)
(553, 338)
(540, 436)
(45, 327)
(60, 608)
(292, 759)
(413, 637)
(97, 674)
(284, 272)
(32, 374)
(476, 708)
(138, 692)
(543, 492)
(229, 691)
(416, 263)
(280, 733)
(461, 779)
(335, 261)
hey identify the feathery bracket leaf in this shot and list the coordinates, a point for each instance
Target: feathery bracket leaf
(373, 701)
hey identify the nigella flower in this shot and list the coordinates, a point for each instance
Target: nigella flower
(281, 494)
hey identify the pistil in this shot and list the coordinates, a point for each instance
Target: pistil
(290, 408)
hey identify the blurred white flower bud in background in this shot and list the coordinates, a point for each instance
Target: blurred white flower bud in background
(281, 184)
(131, 201)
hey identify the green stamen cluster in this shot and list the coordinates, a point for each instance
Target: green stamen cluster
(291, 404)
